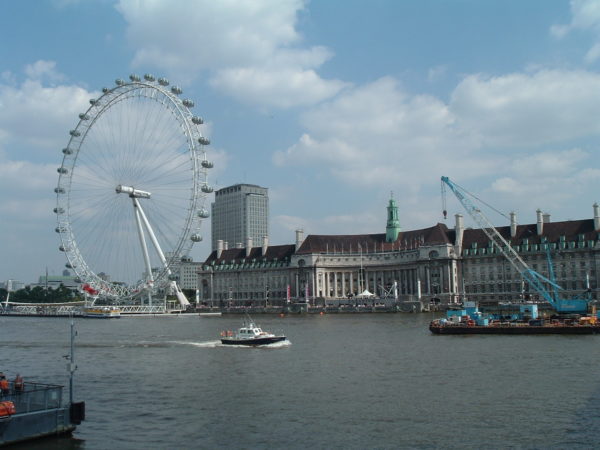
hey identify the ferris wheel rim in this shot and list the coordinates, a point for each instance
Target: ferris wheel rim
(195, 142)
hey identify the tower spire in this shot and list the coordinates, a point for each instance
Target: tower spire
(393, 223)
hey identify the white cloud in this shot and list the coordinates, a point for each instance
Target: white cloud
(351, 223)
(35, 118)
(494, 130)
(39, 117)
(43, 69)
(377, 135)
(26, 176)
(282, 88)
(528, 109)
(548, 179)
(249, 49)
(585, 15)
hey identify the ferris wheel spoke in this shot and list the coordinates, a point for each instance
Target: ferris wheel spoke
(143, 136)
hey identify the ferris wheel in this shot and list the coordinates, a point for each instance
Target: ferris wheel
(132, 188)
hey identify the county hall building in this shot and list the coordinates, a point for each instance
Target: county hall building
(436, 264)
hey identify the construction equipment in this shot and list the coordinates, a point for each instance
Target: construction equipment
(537, 281)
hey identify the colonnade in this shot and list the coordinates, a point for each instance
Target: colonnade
(341, 283)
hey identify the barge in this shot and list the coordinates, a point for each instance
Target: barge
(37, 411)
(32, 410)
(440, 326)
(527, 321)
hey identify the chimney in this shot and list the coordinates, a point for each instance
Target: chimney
(219, 248)
(265, 245)
(596, 217)
(299, 238)
(540, 222)
(225, 245)
(546, 218)
(248, 246)
(459, 229)
(513, 224)
(238, 245)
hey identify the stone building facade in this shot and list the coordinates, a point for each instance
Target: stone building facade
(435, 264)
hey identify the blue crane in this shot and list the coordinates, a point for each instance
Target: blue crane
(537, 281)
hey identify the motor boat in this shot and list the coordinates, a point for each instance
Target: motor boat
(250, 334)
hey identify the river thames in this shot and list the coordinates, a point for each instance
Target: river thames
(369, 381)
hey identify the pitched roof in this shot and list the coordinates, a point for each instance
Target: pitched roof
(552, 231)
(274, 253)
(318, 243)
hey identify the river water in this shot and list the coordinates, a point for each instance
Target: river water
(378, 381)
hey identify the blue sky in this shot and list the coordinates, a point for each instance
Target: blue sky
(330, 104)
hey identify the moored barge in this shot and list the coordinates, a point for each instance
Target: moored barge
(531, 327)
(31, 410)
(472, 321)
(36, 411)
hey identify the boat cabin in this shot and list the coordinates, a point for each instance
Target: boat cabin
(250, 331)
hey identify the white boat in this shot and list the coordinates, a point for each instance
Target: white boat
(102, 312)
(250, 334)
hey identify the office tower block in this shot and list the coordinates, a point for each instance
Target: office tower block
(240, 212)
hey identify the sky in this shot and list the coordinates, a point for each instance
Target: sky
(332, 105)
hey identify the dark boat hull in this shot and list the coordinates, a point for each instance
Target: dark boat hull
(253, 342)
(526, 329)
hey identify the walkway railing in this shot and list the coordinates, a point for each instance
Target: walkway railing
(34, 397)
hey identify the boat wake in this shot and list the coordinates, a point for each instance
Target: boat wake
(203, 344)
(214, 344)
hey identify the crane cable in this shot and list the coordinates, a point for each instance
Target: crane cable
(469, 194)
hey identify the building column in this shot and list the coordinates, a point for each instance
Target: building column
(335, 294)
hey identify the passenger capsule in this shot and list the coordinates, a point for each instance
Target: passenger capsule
(69, 266)
(60, 229)
(204, 141)
(196, 237)
(133, 77)
(74, 133)
(203, 213)
(189, 103)
(84, 116)
(176, 90)
(198, 120)
(62, 248)
(105, 90)
(149, 77)
(173, 277)
(67, 151)
(58, 210)
(206, 188)
(93, 101)
(59, 190)
(163, 81)
(207, 164)
(62, 170)
(119, 82)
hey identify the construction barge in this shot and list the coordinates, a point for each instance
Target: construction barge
(472, 321)
(539, 326)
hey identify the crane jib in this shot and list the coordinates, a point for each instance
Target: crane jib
(533, 278)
